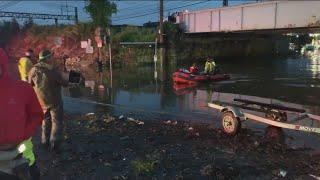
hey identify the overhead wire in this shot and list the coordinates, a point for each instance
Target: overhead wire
(145, 14)
(150, 12)
(148, 8)
(9, 4)
(4, 4)
(143, 11)
(138, 6)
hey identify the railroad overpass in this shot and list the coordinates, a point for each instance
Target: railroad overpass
(270, 16)
(253, 29)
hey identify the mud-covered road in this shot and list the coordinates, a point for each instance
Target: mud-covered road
(104, 147)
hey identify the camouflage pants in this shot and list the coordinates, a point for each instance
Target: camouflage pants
(52, 125)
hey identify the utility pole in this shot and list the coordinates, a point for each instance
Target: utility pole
(110, 56)
(225, 3)
(76, 15)
(161, 23)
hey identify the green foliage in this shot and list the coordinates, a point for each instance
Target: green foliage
(133, 34)
(8, 29)
(14, 26)
(101, 11)
(27, 24)
(83, 31)
(40, 34)
(173, 32)
(76, 32)
(143, 166)
(80, 31)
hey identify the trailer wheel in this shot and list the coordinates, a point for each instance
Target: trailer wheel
(231, 124)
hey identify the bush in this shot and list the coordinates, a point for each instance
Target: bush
(133, 34)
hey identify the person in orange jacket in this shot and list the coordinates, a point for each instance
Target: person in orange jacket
(20, 116)
(194, 69)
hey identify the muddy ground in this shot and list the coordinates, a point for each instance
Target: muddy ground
(105, 147)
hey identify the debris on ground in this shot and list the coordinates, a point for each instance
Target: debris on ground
(90, 114)
(110, 148)
(282, 173)
(135, 121)
(169, 122)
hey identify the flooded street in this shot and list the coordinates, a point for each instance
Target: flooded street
(160, 90)
(136, 93)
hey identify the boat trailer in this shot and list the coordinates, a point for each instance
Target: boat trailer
(274, 114)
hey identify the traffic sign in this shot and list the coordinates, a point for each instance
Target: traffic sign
(89, 50)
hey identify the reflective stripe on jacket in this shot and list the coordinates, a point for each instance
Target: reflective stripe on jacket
(24, 66)
(26, 148)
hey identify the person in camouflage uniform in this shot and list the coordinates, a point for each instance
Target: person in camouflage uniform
(47, 82)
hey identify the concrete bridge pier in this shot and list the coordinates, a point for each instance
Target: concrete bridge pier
(234, 45)
(267, 46)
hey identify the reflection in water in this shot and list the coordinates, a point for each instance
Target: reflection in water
(267, 82)
(314, 67)
(90, 84)
(141, 87)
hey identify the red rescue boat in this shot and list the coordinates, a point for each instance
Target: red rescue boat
(181, 89)
(188, 78)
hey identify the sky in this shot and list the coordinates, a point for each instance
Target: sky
(129, 11)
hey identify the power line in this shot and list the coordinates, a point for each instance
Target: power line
(158, 11)
(5, 3)
(141, 7)
(9, 4)
(137, 6)
(36, 15)
(132, 14)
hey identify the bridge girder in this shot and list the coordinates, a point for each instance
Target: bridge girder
(36, 15)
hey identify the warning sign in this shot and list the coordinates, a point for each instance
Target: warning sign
(84, 44)
(89, 50)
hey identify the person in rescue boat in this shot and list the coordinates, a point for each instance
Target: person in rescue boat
(47, 82)
(194, 69)
(25, 65)
(210, 66)
(20, 116)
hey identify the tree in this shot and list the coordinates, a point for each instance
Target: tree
(14, 26)
(28, 24)
(101, 11)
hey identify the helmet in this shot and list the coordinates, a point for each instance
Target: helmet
(44, 55)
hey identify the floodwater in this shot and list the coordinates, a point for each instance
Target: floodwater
(136, 91)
